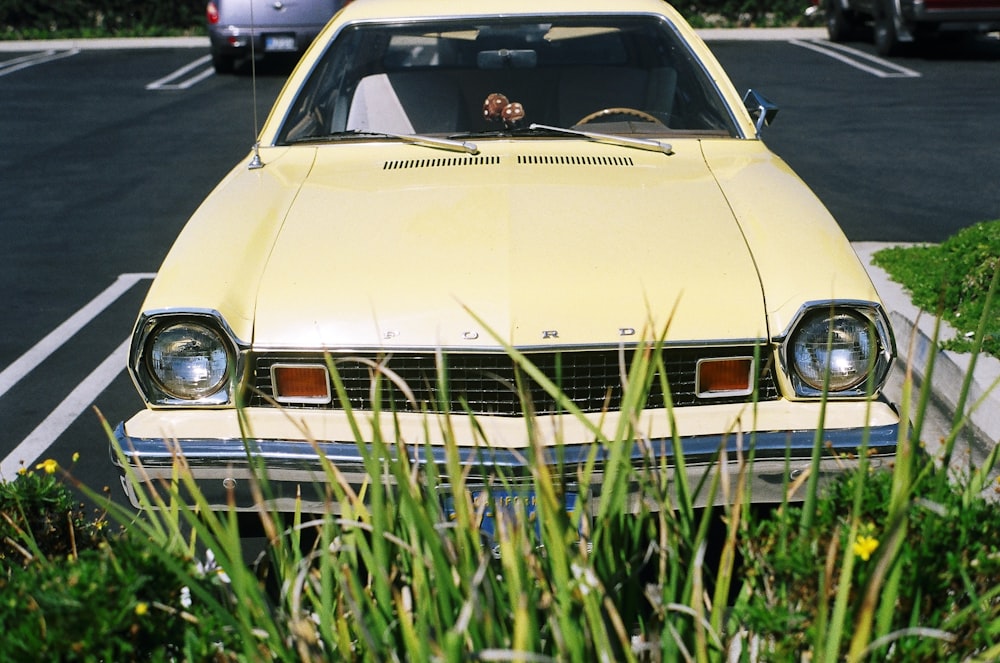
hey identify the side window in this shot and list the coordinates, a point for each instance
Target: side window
(321, 107)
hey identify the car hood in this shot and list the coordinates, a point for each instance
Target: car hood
(532, 246)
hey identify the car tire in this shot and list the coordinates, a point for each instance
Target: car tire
(886, 38)
(223, 64)
(840, 25)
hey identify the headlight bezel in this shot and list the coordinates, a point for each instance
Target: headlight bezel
(153, 388)
(870, 314)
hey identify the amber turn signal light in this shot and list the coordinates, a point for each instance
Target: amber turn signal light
(300, 383)
(731, 376)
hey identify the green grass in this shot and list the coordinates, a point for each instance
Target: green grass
(954, 280)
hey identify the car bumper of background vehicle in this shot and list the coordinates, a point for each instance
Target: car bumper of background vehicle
(225, 470)
(963, 15)
(237, 41)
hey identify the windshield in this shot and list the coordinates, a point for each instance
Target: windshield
(615, 74)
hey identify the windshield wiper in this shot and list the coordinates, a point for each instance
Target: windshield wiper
(426, 141)
(611, 139)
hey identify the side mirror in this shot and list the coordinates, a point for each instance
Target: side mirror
(761, 110)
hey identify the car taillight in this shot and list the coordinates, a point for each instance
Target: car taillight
(212, 13)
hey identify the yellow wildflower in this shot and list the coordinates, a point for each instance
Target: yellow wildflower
(141, 608)
(76, 456)
(865, 546)
(50, 466)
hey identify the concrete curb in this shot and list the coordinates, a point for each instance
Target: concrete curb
(125, 43)
(762, 34)
(914, 331)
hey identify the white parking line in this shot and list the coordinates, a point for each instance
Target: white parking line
(47, 432)
(858, 59)
(25, 61)
(45, 347)
(166, 83)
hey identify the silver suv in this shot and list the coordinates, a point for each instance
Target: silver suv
(239, 29)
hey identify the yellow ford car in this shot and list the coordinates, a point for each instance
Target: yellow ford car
(460, 226)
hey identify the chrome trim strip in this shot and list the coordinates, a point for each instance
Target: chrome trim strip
(223, 469)
(348, 456)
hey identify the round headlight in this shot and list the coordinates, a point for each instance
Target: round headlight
(188, 360)
(839, 346)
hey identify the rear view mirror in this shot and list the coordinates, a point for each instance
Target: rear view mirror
(507, 59)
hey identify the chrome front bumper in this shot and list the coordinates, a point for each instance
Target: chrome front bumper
(224, 469)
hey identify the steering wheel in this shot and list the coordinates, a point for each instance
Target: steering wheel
(622, 110)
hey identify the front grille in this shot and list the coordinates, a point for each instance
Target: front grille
(489, 383)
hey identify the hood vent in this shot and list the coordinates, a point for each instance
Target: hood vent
(573, 161)
(522, 160)
(445, 162)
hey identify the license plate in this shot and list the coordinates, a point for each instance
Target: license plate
(279, 42)
(513, 503)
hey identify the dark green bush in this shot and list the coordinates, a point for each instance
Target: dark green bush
(40, 518)
(72, 591)
(24, 19)
(745, 13)
(114, 603)
(953, 280)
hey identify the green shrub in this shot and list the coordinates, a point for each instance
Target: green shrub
(947, 606)
(954, 280)
(744, 13)
(118, 602)
(24, 19)
(72, 591)
(40, 518)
